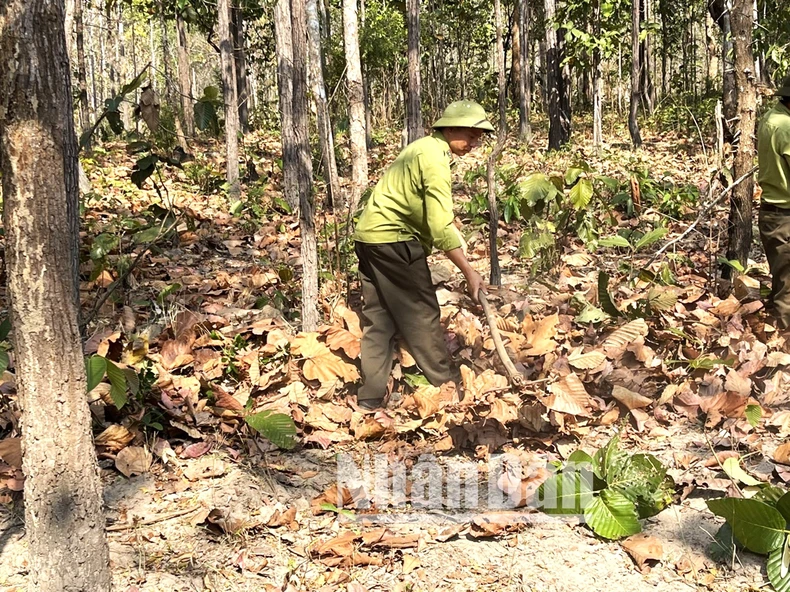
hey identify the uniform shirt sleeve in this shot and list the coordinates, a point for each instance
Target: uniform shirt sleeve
(781, 142)
(439, 201)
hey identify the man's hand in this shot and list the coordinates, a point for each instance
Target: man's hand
(474, 283)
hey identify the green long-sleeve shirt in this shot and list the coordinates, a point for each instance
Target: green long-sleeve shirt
(413, 199)
(773, 155)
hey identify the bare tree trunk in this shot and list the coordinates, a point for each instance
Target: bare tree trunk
(740, 222)
(38, 152)
(169, 90)
(356, 100)
(633, 123)
(284, 45)
(720, 11)
(304, 166)
(414, 124)
(648, 88)
(85, 118)
(597, 91)
(240, 55)
(184, 86)
(557, 97)
(224, 8)
(493, 222)
(525, 72)
(325, 136)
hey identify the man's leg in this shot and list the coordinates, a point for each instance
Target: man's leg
(775, 236)
(400, 271)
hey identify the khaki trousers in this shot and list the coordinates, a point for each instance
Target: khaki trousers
(775, 235)
(398, 297)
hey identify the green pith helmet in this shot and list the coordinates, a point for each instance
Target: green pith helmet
(464, 114)
(784, 90)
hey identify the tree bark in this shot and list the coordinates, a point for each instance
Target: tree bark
(38, 152)
(414, 125)
(525, 72)
(740, 221)
(284, 46)
(633, 123)
(495, 277)
(648, 88)
(325, 135)
(557, 101)
(224, 8)
(597, 79)
(720, 12)
(356, 100)
(182, 139)
(240, 56)
(184, 86)
(82, 79)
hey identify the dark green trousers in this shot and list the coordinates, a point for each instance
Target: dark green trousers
(398, 298)
(775, 234)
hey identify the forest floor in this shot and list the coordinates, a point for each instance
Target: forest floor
(196, 500)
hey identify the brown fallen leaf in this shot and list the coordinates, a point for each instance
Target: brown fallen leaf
(643, 548)
(11, 451)
(176, 353)
(624, 335)
(540, 335)
(782, 454)
(630, 399)
(587, 361)
(410, 563)
(319, 362)
(133, 460)
(568, 395)
(337, 338)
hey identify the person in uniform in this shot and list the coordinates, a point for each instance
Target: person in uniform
(408, 214)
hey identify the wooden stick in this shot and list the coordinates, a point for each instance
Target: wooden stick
(149, 521)
(514, 375)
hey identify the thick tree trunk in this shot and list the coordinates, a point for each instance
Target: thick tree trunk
(648, 88)
(304, 167)
(720, 12)
(557, 96)
(184, 85)
(740, 222)
(633, 123)
(356, 107)
(82, 79)
(231, 101)
(525, 72)
(38, 152)
(325, 135)
(414, 124)
(240, 56)
(284, 45)
(169, 90)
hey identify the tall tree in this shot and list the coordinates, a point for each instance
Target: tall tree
(740, 221)
(304, 167)
(283, 40)
(633, 123)
(646, 60)
(556, 91)
(240, 56)
(413, 111)
(356, 103)
(495, 277)
(721, 14)
(597, 82)
(82, 79)
(325, 135)
(525, 75)
(184, 83)
(224, 8)
(38, 152)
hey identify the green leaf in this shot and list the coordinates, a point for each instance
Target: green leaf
(581, 194)
(660, 298)
(85, 138)
(722, 549)
(278, 428)
(778, 567)
(537, 187)
(143, 169)
(206, 116)
(95, 367)
(211, 93)
(757, 526)
(732, 466)
(147, 235)
(614, 241)
(572, 174)
(734, 263)
(753, 414)
(591, 314)
(132, 380)
(612, 516)
(415, 380)
(5, 328)
(603, 295)
(137, 147)
(639, 477)
(783, 505)
(566, 492)
(651, 237)
(770, 494)
(4, 361)
(134, 84)
(114, 119)
(117, 379)
(102, 245)
(580, 457)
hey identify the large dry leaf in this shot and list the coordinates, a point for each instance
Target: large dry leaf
(319, 362)
(540, 335)
(352, 321)
(468, 328)
(113, 439)
(427, 400)
(475, 387)
(315, 418)
(737, 383)
(503, 411)
(625, 335)
(337, 338)
(568, 395)
(629, 398)
(11, 451)
(782, 454)
(133, 460)
(177, 352)
(643, 548)
(587, 361)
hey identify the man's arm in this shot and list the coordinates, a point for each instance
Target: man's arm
(474, 281)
